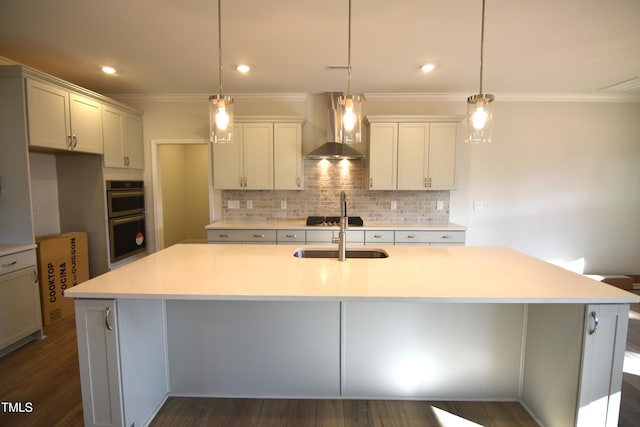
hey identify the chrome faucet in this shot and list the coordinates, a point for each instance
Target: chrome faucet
(341, 240)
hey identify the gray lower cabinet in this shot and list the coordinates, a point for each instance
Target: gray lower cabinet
(20, 315)
(291, 237)
(323, 236)
(121, 348)
(432, 238)
(242, 236)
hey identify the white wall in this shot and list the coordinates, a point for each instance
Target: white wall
(560, 181)
(44, 194)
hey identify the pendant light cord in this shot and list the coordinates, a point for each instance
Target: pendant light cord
(481, 46)
(219, 48)
(349, 55)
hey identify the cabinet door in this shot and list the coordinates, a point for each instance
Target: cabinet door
(257, 141)
(133, 142)
(86, 124)
(603, 357)
(383, 160)
(19, 305)
(48, 115)
(96, 325)
(113, 138)
(442, 156)
(413, 143)
(287, 156)
(227, 163)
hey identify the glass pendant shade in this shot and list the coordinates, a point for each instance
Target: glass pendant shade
(350, 112)
(221, 118)
(479, 123)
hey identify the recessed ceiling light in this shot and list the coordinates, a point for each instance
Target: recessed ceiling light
(108, 70)
(426, 68)
(243, 68)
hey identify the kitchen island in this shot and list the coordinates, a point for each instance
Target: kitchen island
(432, 323)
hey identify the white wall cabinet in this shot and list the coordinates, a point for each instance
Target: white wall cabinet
(287, 158)
(412, 152)
(267, 155)
(246, 163)
(123, 143)
(19, 299)
(62, 119)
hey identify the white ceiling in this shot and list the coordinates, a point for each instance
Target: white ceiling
(171, 46)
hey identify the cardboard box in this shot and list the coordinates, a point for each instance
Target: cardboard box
(63, 262)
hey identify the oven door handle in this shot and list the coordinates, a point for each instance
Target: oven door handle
(126, 219)
(127, 193)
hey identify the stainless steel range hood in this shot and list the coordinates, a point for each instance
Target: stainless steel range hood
(334, 149)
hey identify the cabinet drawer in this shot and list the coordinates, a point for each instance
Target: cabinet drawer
(446, 237)
(17, 261)
(428, 237)
(324, 236)
(412, 236)
(290, 236)
(381, 236)
(241, 236)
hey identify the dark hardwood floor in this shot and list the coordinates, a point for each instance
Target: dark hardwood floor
(45, 374)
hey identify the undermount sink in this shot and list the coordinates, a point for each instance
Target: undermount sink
(333, 253)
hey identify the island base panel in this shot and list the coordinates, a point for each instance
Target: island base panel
(253, 348)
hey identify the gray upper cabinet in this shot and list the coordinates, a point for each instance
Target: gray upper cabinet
(412, 152)
(61, 119)
(123, 143)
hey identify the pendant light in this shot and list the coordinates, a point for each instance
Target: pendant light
(349, 106)
(220, 106)
(479, 107)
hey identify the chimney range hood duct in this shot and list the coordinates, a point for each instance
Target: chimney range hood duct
(334, 149)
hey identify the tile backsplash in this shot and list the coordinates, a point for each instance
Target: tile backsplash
(323, 181)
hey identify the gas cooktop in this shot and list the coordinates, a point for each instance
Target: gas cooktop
(328, 221)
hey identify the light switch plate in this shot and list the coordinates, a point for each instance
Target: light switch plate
(233, 204)
(439, 205)
(283, 204)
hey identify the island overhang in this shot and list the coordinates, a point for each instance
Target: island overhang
(447, 274)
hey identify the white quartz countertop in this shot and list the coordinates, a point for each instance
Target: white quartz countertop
(301, 224)
(270, 272)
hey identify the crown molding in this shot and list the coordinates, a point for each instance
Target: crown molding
(503, 97)
(202, 97)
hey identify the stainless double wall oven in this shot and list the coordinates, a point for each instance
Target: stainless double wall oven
(126, 211)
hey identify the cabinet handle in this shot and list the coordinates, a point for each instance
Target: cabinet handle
(35, 276)
(298, 182)
(594, 316)
(69, 141)
(411, 236)
(107, 313)
(9, 264)
(291, 236)
(74, 140)
(371, 182)
(258, 236)
(377, 236)
(224, 235)
(447, 236)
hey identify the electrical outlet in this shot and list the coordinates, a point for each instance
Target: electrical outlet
(439, 205)
(283, 204)
(249, 204)
(394, 204)
(36, 210)
(233, 204)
